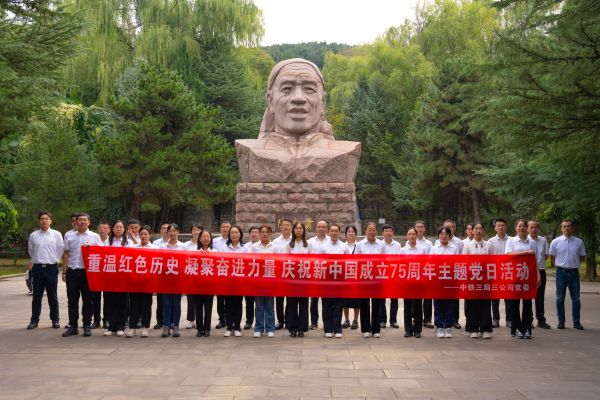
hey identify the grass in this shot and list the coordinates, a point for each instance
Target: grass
(10, 266)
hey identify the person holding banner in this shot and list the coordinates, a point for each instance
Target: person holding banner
(140, 303)
(297, 307)
(249, 300)
(413, 311)
(422, 241)
(265, 307)
(520, 326)
(497, 245)
(443, 309)
(332, 307)
(172, 301)
(203, 303)
(370, 307)
(479, 312)
(533, 228)
(164, 238)
(350, 233)
(192, 245)
(316, 244)
(233, 304)
(390, 246)
(219, 244)
(116, 302)
(282, 244)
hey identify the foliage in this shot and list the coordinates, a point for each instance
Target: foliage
(312, 51)
(8, 221)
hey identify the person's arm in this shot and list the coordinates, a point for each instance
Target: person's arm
(30, 252)
(552, 260)
(65, 265)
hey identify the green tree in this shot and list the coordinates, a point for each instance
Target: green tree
(312, 51)
(165, 154)
(8, 221)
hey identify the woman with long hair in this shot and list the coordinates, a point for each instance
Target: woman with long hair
(350, 233)
(297, 307)
(116, 302)
(203, 303)
(172, 301)
(233, 304)
(140, 304)
(443, 309)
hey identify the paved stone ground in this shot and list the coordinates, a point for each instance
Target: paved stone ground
(40, 364)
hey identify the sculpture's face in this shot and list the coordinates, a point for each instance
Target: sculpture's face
(296, 100)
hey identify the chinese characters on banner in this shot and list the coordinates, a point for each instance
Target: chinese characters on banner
(314, 275)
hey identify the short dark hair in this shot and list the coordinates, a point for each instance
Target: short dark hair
(75, 215)
(500, 220)
(173, 226)
(348, 227)
(145, 228)
(444, 229)
(371, 223)
(419, 222)
(44, 212)
(253, 228)
(287, 220)
(82, 214)
(337, 225)
(133, 221)
(387, 226)
(197, 226)
(267, 227)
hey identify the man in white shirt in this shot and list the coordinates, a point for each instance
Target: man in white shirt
(164, 238)
(390, 246)
(469, 233)
(75, 277)
(496, 245)
(219, 244)
(370, 325)
(533, 228)
(315, 243)
(423, 242)
(282, 243)
(45, 247)
(566, 254)
(249, 300)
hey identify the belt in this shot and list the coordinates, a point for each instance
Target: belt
(45, 265)
(566, 269)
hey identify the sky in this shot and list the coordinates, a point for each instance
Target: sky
(343, 21)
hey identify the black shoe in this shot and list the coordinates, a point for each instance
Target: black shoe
(544, 325)
(67, 326)
(32, 325)
(428, 325)
(279, 326)
(200, 334)
(105, 325)
(354, 325)
(577, 325)
(70, 332)
(158, 325)
(457, 326)
(418, 335)
(206, 333)
(312, 327)
(407, 334)
(293, 334)
(495, 323)
(55, 325)
(561, 325)
(95, 325)
(508, 324)
(394, 325)
(87, 331)
(382, 325)
(300, 334)
(220, 325)
(247, 326)
(346, 324)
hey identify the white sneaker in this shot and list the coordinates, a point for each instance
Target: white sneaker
(257, 334)
(448, 333)
(108, 333)
(486, 335)
(271, 334)
(120, 333)
(329, 335)
(366, 335)
(130, 333)
(440, 333)
(237, 333)
(474, 335)
(190, 325)
(338, 335)
(227, 333)
(377, 335)
(144, 332)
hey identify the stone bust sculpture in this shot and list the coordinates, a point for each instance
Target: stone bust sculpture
(295, 142)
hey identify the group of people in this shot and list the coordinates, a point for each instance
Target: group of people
(129, 314)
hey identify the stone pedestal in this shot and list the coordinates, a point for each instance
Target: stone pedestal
(268, 203)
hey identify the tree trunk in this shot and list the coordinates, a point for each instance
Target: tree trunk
(134, 211)
(590, 244)
(475, 201)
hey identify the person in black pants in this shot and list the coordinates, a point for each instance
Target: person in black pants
(413, 311)
(370, 324)
(249, 300)
(116, 302)
(233, 304)
(203, 303)
(297, 307)
(533, 228)
(159, 312)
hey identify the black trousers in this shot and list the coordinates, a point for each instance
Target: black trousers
(116, 310)
(249, 309)
(314, 310)
(280, 308)
(332, 315)
(496, 310)
(140, 306)
(369, 315)
(297, 314)
(479, 316)
(413, 316)
(539, 299)
(77, 287)
(521, 322)
(393, 311)
(44, 278)
(191, 313)
(159, 309)
(97, 304)
(427, 310)
(221, 311)
(233, 310)
(203, 304)
(456, 310)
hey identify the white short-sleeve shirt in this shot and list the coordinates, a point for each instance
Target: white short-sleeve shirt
(73, 244)
(45, 247)
(542, 245)
(567, 251)
(475, 247)
(366, 247)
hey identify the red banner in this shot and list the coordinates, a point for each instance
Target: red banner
(122, 269)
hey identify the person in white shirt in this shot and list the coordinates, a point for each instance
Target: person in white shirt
(265, 306)
(172, 301)
(297, 307)
(350, 234)
(370, 307)
(203, 303)
(458, 243)
(520, 326)
(104, 232)
(469, 233)
(332, 307)
(316, 244)
(423, 242)
(249, 300)
(443, 309)
(567, 252)
(75, 277)
(233, 304)
(133, 231)
(164, 236)
(140, 304)
(390, 246)
(533, 228)
(282, 244)
(413, 311)
(219, 244)
(73, 225)
(479, 311)
(192, 245)
(159, 299)
(496, 245)
(45, 247)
